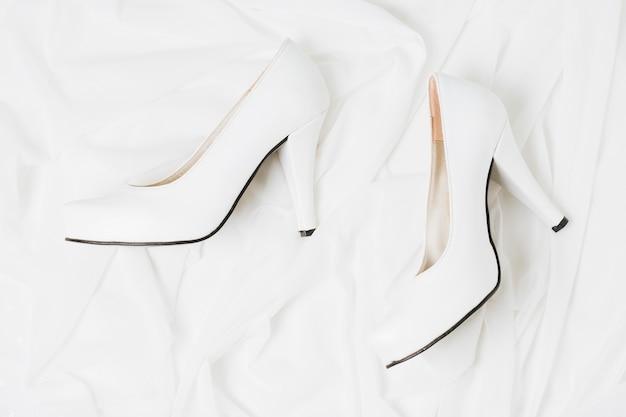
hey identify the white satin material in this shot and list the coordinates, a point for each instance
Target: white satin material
(257, 321)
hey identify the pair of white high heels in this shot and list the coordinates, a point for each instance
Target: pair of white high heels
(283, 111)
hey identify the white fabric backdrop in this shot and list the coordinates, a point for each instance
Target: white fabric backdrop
(257, 321)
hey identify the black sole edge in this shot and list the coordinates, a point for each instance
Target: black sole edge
(484, 300)
(561, 225)
(184, 242)
(306, 233)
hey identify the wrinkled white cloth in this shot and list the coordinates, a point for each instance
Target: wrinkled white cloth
(257, 321)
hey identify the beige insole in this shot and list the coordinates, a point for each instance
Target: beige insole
(438, 208)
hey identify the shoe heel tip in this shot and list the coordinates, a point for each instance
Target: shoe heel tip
(306, 233)
(561, 225)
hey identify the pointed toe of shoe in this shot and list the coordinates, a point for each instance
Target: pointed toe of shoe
(129, 217)
(392, 338)
(428, 309)
(83, 221)
(104, 220)
(406, 333)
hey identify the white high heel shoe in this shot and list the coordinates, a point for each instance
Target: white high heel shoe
(471, 144)
(284, 108)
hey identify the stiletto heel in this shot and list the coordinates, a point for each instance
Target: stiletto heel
(297, 157)
(194, 202)
(471, 144)
(511, 172)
